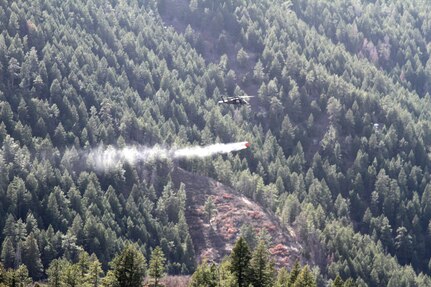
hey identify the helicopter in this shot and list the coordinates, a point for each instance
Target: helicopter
(241, 100)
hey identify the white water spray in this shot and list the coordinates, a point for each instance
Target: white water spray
(107, 158)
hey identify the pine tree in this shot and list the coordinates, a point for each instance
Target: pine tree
(240, 262)
(247, 232)
(129, 267)
(305, 279)
(403, 245)
(68, 243)
(426, 203)
(31, 257)
(70, 275)
(261, 268)
(258, 73)
(282, 278)
(3, 276)
(83, 263)
(294, 273)
(189, 254)
(157, 265)
(21, 275)
(204, 276)
(242, 58)
(54, 273)
(210, 209)
(31, 224)
(338, 282)
(349, 283)
(19, 197)
(8, 253)
(9, 227)
(225, 277)
(95, 272)
(49, 251)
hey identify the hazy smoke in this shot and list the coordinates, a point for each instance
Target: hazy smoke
(105, 158)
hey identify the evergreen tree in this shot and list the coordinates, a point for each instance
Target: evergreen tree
(294, 273)
(50, 249)
(261, 267)
(31, 257)
(282, 278)
(70, 275)
(54, 273)
(9, 226)
(349, 283)
(8, 253)
(240, 262)
(426, 203)
(157, 266)
(338, 282)
(95, 273)
(189, 254)
(83, 263)
(305, 279)
(247, 232)
(3, 276)
(210, 209)
(109, 280)
(21, 277)
(129, 267)
(403, 245)
(205, 276)
(225, 276)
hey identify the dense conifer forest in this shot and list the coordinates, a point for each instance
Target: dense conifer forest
(340, 128)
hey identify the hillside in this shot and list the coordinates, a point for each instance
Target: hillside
(340, 131)
(213, 241)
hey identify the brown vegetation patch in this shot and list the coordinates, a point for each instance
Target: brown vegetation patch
(214, 241)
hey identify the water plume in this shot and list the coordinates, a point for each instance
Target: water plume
(109, 157)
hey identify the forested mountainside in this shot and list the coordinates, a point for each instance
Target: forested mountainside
(340, 127)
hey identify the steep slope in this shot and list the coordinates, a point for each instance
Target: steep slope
(341, 141)
(78, 73)
(213, 241)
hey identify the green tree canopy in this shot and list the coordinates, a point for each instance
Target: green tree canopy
(129, 267)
